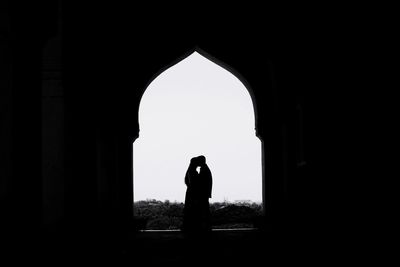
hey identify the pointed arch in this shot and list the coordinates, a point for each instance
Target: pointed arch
(216, 61)
(229, 71)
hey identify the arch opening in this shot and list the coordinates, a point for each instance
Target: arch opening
(197, 107)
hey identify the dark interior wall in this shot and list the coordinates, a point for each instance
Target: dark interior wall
(23, 39)
(52, 131)
(80, 110)
(5, 113)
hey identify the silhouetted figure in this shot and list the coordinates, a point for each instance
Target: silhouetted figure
(191, 178)
(199, 187)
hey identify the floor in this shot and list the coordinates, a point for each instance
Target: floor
(220, 246)
(246, 247)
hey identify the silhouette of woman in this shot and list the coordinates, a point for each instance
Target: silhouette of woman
(191, 178)
(196, 215)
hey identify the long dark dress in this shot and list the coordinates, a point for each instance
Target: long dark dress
(189, 211)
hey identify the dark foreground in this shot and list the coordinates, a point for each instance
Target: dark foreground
(248, 247)
(220, 246)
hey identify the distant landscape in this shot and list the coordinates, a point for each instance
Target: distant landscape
(158, 215)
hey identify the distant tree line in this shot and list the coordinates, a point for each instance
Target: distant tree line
(157, 215)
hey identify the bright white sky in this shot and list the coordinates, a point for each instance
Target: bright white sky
(197, 108)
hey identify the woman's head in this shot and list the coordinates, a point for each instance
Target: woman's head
(194, 161)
